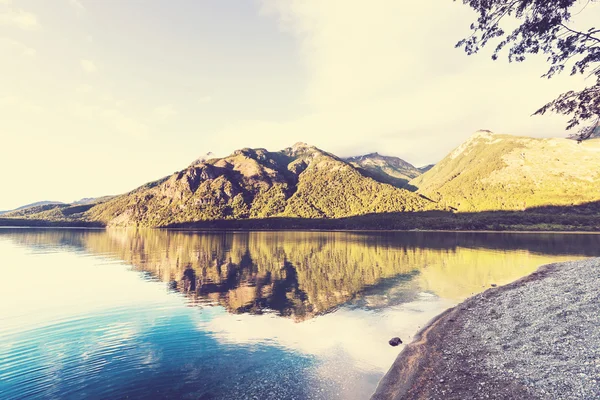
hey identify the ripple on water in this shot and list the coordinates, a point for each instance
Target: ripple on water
(154, 314)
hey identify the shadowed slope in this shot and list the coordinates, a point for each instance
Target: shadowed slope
(392, 170)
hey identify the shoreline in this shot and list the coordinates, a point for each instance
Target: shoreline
(439, 362)
(93, 226)
(242, 230)
(362, 230)
(426, 221)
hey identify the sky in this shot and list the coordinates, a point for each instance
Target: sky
(100, 96)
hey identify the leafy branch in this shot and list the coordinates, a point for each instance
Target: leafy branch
(545, 27)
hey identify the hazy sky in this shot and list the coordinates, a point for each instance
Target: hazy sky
(100, 96)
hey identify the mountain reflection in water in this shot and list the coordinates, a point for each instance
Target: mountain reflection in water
(220, 315)
(303, 274)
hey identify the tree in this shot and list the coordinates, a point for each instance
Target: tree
(546, 27)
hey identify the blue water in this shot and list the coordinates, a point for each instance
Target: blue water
(111, 315)
(142, 353)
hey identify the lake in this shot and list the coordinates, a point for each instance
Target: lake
(150, 314)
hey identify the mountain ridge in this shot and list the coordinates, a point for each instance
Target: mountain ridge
(298, 181)
(387, 169)
(36, 204)
(302, 183)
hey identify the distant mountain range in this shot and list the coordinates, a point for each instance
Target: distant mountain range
(43, 209)
(36, 204)
(426, 168)
(92, 200)
(392, 170)
(487, 172)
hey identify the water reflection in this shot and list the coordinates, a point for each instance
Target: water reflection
(300, 275)
(124, 313)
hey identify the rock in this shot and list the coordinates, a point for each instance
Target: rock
(395, 341)
(493, 285)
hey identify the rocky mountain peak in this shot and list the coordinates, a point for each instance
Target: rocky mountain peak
(300, 149)
(300, 145)
(203, 158)
(482, 134)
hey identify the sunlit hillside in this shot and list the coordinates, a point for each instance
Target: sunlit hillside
(503, 172)
(300, 181)
(305, 187)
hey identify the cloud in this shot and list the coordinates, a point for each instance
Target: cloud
(84, 88)
(88, 66)
(351, 326)
(77, 5)
(16, 47)
(19, 19)
(8, 101)
(125, 124)
(385, 75)
(354, 51)
(165, 112)
(21, 105)
(205, 99)
(117, 119)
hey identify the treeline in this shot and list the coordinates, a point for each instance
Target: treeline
(24, 222)
(428, 220)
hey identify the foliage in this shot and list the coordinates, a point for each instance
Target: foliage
(51, 212)
(535, 219)
(545, 27)
(254, 183)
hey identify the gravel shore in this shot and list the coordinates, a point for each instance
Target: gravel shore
(536, 338)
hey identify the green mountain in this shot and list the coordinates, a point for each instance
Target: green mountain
(502, 172)
(392, 170)
(304, 186)
(55, 210)
(301, 181)
(29, 206)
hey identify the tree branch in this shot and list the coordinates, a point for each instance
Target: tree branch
(587, 35)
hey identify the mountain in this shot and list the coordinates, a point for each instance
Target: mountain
(52, 212)
(425, 168)
(392, 170)
(42, 206)
(36, 204)
(92, 200)
(502, 172)
(302, 184)
(300, 181)
(56, 211)
(203, 158)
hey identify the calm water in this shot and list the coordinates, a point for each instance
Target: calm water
(153, 314)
